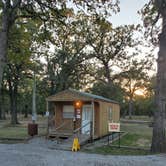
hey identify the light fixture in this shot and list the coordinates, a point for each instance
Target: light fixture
(78, 104)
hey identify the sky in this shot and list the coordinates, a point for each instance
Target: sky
(128, 15)
(128, 12)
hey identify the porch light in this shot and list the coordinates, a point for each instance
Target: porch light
(78, 104)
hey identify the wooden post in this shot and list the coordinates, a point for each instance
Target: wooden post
(93, 120)
(91, 131)
(34, 114)
(108, 139)
(119, 139)
(47, 110)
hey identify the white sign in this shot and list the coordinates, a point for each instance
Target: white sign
(114, 127)
(34, 117)
(78, 116)
(47, 113)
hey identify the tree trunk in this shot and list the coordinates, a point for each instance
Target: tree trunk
(13, 107)
(159, 139)
(3, 45)
(0, 112)
(26, 111)
(2, 101)
(107, 73)
(13, 102)
(52, 88)
(130, 108)
(124, 114)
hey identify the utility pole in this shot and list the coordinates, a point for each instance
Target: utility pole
(34, 115)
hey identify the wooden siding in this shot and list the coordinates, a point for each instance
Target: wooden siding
(101, 111)
(97, 119)
(59, 120)
(104, 116)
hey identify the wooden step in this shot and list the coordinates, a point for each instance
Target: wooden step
(60, 134)
(66, 144)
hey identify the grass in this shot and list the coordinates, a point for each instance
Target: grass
(13, 132)
(132, 144)
(17, 132)
(138, 137)
(134, 140)
(108, 150)
(141, 117)
(20, 131)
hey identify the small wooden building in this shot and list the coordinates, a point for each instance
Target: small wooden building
(74, 111)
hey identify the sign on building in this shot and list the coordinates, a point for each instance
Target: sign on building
(78, 113)
(114, 127)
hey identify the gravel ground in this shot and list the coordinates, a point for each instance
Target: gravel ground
(38, 153)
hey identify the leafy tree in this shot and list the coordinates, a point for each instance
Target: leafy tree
(134, 77)
(46, 11)
(19, 53)
(144, 105)
(67, 66)
(102, 89)
(108, 45)
(152, 13)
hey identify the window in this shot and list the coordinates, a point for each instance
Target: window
(110, 113)
(68, 111)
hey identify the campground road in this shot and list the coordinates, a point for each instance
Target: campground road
(35, 155)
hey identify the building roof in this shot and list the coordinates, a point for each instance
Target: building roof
(81, 94)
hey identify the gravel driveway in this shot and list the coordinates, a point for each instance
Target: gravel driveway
(37, 153)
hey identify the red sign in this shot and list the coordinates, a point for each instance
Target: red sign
(114, 127)
(78, 113)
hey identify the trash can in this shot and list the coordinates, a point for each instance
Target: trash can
(32, 129)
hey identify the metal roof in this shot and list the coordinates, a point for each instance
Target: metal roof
(89, 96)
(92, 96)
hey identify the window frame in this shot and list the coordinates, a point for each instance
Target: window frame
(110, 113)
(68, 112)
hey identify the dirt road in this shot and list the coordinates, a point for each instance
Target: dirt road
(38, 154)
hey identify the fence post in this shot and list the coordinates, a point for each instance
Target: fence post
(91, 131)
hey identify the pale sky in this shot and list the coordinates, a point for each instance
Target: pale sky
(128, 12)
(128, 15)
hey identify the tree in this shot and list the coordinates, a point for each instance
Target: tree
(66, 66)
(144, 103)
(108, 48)
(19, 54)
(46, 11)
(152, 12)
(115, 93)
(108, 44)
(13, 12)
(134, 77)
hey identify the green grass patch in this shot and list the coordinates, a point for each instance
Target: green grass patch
(141, 129)
(108, 150)
(13, 132)
(141, 117)
(139, 135)
(134, 140)
(17, 132)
